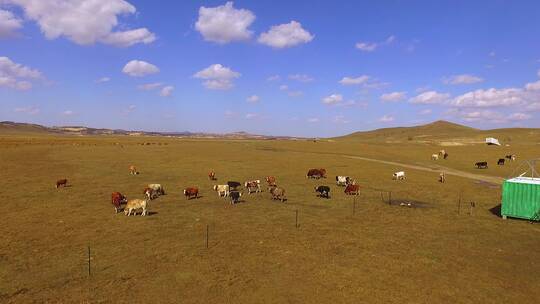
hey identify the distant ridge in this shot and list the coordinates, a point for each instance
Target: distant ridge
(438, 127)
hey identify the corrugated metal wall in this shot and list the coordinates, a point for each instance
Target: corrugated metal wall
(520, 200)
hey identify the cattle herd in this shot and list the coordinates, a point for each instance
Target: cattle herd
(232, 189)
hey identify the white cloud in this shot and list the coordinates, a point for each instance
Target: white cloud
(9, 23)
(366, 46)
(283, 87)
(103, 79)
(138, 68)
(301, 77)
(224, 23)
(295, 93)
(393, 97)
(285, 35)
(489, 98)
(68, 113)
(273, 78)
(253, 99)
(386, 118)
(217, 77)
(30, 110)
(519, 116)
(538, 73)
(535, 106)
(425, 112)
(313, 120)
(332, 99)
(340, 119)
(166, 91)
(533, 86)
(390, 39)
(149, 86)
(462, 79)
(84, 22)
(354, 80)
(430, 97)
(16, 76)
(252, 115)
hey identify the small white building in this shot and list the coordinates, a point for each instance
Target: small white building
(492, 141)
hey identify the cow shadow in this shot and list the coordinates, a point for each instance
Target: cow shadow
(496, 210)
(151, 213)
(195, 197)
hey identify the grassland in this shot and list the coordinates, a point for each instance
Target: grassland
(380, 254)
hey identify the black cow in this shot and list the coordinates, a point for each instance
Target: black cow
(235, 197)
(233, 185)
(500, 162)
(481, 165)
(324, 191)
(445, 156)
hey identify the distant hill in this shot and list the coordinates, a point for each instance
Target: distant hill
(444, 133)
(9, 127)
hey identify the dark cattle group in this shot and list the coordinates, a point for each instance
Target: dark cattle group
(481, 165)
(316, 173)
(323, 191)
(500, 162)
(235, 196)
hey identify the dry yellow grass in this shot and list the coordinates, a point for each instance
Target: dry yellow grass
(383, 253)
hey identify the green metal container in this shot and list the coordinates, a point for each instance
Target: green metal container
(521, 198)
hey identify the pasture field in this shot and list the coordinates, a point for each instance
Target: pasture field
(383, 253)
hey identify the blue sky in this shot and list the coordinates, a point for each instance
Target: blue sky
(307, 68)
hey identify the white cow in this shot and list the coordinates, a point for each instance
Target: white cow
(342, 180)
(399, 175)
(134, 205)
(157, 188)
(434, 156)
(222, 190)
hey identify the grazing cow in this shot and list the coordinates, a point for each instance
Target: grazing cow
(222, 190)
(511, 157)
(233, 185)
(253, 186)
(235, 197)
(352, 189)
(277, 193)
(212, 175)
(324, 191)
(134, 205)
(442, 177)
(399, 175)
(442, 152)
(271, 181)
(434, 156)
(500, 162)
(117, 199)
(314, 173)
(61, 183)
(157, 188)
(191, 192)
(342, 180)
(133, 170)
(445, 155)
(323, 173)
(150, 193)
(481, 165)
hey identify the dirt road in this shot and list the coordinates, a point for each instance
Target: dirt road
(446, 170)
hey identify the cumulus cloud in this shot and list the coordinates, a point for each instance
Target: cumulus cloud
(224, 23)
(462, 79)
(386, 118)
(301, 77)
(103, 79)
(519, 116)
(30, 110)
(340, 119)
(533, 86)
(285, 35)
(354, 80)
(217, 77)
(393, 97)
(84, 22)
(149, 86)
(138, 68)
(332, 99)
(535, 106)
(430, 97)
(9, 23)
(252, 115)
(166, 91)
(253, 99)
(489, 98)
(283, 87)
(68, 113)
(366, 46)
(16, 76)
(273, 78)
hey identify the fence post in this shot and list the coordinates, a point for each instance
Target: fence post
(296, 222)
(89, 266)
(206, 236)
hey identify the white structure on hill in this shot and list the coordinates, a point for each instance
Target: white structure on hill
(492, 141)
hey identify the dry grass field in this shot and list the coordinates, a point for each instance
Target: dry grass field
(342, 251)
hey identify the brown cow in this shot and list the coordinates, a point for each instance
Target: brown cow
(117, 199)
(212, 175)
(352, 189)
(191, 192)
(271, 181)
(314, 173)
(133, 170)
(323, 173)
(150, 193)
(61, 182)
(277, 193)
